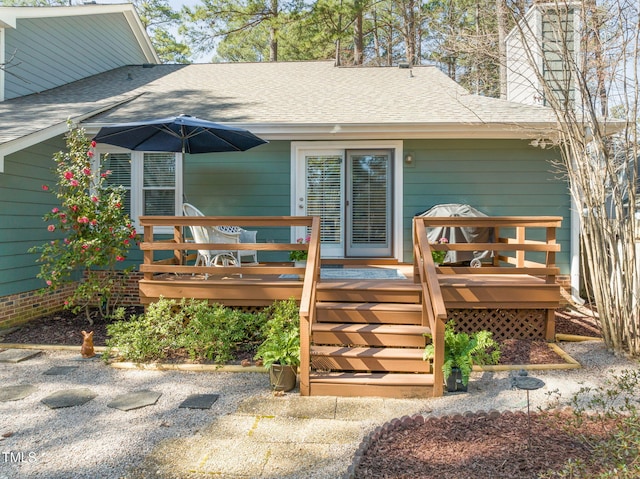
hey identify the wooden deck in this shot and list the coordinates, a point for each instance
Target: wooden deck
(365, 336)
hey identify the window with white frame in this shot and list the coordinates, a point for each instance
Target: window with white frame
(151, 181)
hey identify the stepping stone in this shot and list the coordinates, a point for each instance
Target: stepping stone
(135, 400)
(69, 398)
(13, 393)
(199, 401)
(59, 370)
(17, 355)
(92, 358)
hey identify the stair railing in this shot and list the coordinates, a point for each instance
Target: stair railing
(434, 313)
(308, 304)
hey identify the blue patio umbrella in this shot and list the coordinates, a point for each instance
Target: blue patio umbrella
(180, 134)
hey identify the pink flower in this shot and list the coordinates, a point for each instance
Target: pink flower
(119, 258)
(85, 246)
(90, 154)
(68, 175)
(94, 199)
(74, 182)
(49, 282)
(126, 241)
(64, 220)
(93, 144)
(83, 219)
(118, 205)
(94, 222)
(87, 171)
(74, 207)
(51, 228)
(66, 241)
(55, 211)
(45, 188)
(66, 303)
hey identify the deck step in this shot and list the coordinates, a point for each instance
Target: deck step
(370, 334)
(336, 358)
(374, 312)
(379, 291)
(392, 385)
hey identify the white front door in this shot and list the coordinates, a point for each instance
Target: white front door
(351, 190)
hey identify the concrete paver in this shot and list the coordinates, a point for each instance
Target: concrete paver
(17, 355)
(69, 398)
(17, 392)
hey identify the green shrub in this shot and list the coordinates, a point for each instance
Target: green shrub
(170, 328)
(614, 408)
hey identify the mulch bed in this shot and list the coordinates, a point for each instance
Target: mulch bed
(64, 328)
(477, 445)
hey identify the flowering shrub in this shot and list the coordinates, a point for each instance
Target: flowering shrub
(97, 233)
(438, 256)
(300, 255)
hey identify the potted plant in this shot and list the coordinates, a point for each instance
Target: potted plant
(461, 352)
(438, 255)
(299, 257)
(280, 350)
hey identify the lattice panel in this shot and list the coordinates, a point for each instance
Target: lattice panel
(503, 323)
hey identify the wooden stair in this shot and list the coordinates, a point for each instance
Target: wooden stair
(368, 340)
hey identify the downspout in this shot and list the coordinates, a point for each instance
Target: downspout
(575, 253)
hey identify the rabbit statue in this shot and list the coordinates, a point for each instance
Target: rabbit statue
(87, 345)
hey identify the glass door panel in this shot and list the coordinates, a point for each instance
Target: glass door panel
(369, 203)
(324, 184)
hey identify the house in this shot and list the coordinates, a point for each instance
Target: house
(381, 143)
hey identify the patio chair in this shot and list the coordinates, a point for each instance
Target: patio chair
(245, 236)
(211, 234)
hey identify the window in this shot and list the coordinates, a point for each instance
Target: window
(151, 180)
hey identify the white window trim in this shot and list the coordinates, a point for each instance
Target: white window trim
(300, 148)
(137, 169)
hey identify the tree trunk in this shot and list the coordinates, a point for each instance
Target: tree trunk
(358, 41)
(502, 16)
(273, 33)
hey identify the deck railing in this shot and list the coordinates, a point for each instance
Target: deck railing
(522, 245)
(175, 249)
(308, 305)
(434, 313)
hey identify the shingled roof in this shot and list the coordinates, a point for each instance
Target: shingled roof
(281, 100)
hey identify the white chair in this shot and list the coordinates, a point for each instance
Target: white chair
(212, 234)
(222, 234)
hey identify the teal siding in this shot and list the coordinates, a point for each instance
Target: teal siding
(51, 52)
(22, 205)
(252, 183)
(496, 177)
(499, 178)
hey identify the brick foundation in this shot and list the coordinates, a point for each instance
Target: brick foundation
(23, 307)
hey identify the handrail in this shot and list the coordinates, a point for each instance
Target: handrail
(308, 305)
(434, 311)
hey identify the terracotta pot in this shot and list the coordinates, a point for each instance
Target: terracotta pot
(283, 378)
